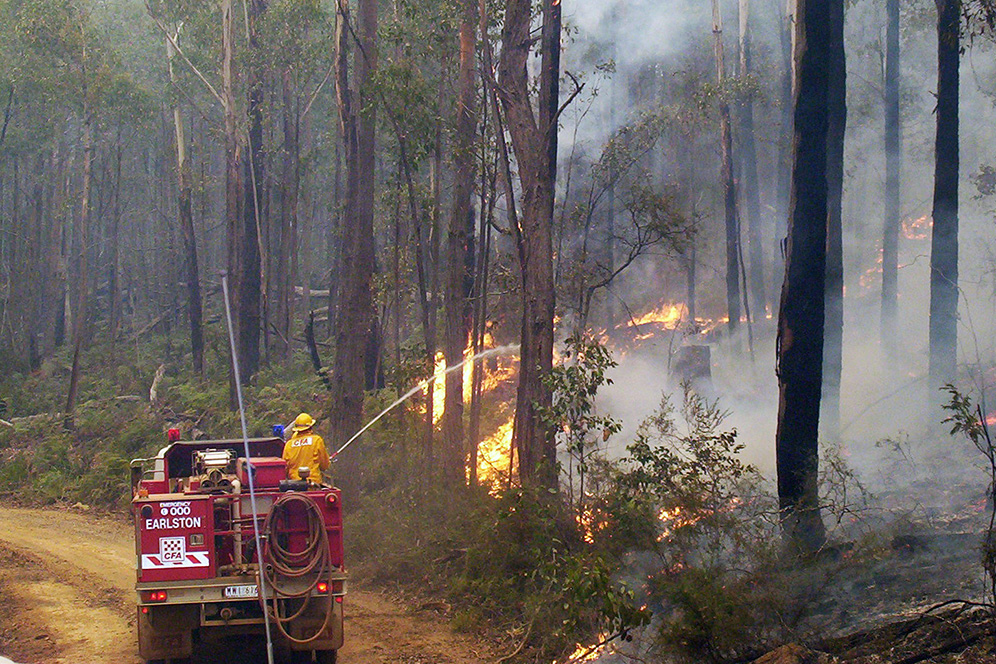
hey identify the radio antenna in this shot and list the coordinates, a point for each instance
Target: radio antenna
(249, 473)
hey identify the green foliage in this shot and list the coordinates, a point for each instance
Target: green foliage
(685, 498)
(574, 384)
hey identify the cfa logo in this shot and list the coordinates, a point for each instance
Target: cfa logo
(301, 442)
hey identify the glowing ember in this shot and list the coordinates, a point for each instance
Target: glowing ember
(872, 275)
(918, 229)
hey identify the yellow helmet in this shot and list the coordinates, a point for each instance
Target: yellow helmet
(303, 422)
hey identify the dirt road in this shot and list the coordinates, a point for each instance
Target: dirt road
(66, 583)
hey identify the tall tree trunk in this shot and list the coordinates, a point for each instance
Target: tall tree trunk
(186, 219)
(729, 185)
(355, 315)
(288, 261)
(233, 182)
(784, 171)
(944, 238)
(751, 190)
(250, 292)
(801, 315)
(893, 157)
(534, 142)
(114, 262)
(82, 281)
(460, 254)
(837, 124)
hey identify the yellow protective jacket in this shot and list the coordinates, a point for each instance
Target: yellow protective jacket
(306, 449)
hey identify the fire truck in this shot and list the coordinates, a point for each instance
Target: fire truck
(209, 571)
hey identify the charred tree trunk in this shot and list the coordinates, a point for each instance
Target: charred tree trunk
(751, 190)
(893, 157)
(355, 311)
(186, 219)
(786, 136)
(729, 185)
(944, 238)
(837, 124)
(534, 142)
(460, 254)
(801, 316)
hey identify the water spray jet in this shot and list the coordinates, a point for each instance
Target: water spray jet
(501, 350)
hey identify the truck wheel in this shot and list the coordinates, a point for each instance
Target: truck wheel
(326, 656)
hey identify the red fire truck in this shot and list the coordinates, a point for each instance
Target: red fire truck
(200, 578)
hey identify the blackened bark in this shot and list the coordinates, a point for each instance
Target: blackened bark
(460, 262)
(944, 238)
(786, 136)
(893, 161)
(732, 225)
(801, 315)
(837, 124)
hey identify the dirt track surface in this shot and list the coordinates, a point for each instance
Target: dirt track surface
(66, 596)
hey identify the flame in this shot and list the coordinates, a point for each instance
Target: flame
(673, 519)
(584, 653)
(676, 518)
(493, 457)
(668, 315)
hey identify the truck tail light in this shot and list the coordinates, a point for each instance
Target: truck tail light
(155, 596)
(322, 588)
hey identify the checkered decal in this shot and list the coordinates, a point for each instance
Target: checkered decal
(173, 553)
(172, 549)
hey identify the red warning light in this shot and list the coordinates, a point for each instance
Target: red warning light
(173, 435)
(322, 588)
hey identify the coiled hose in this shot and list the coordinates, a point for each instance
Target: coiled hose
(283, 566)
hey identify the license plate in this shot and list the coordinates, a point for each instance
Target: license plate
(241, 592)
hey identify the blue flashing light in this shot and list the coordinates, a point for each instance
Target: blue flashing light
(278, 430)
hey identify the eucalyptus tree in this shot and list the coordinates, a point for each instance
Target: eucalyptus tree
(534, 141)
(944, 235)
(801, 315)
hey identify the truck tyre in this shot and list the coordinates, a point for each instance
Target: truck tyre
(326, 656)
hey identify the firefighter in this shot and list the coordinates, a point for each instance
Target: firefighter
(305, 448)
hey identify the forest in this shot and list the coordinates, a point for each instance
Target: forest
(647, 330)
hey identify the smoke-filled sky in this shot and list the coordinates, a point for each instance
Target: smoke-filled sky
(666, 33)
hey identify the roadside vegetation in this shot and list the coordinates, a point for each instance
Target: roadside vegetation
(674, 544)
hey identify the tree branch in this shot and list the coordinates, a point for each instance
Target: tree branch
(183, 55)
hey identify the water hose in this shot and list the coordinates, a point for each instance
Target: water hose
(284, 566)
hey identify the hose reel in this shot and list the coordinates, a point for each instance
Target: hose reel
(284, 568)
